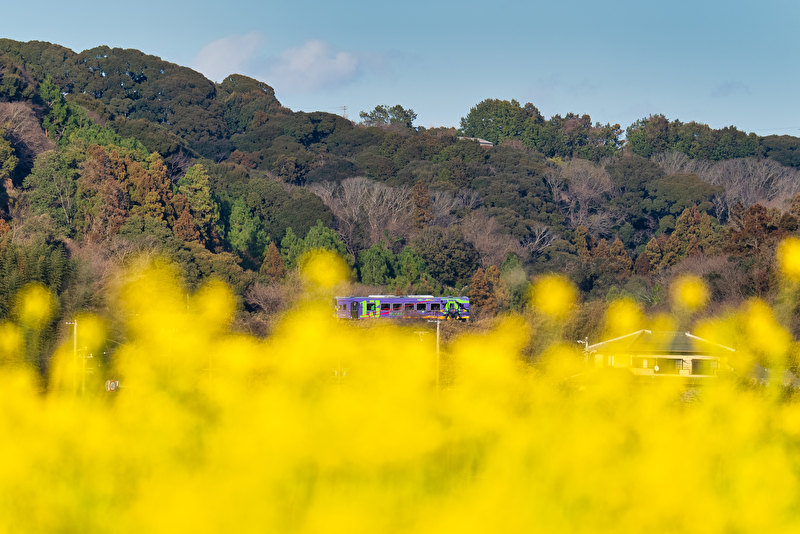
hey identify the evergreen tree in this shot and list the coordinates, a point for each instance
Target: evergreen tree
(621, 261)
(601, 252)
(642, 264)
(185, 228)
(292, 248)
(423, 205)
(273, 265)
(653, 253)
(244, 233)
(497, 287)
(582, 243)
(480, 296)
(55, 121)
(194, 185)
(376, 265)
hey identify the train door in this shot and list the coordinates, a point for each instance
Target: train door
(354, 310)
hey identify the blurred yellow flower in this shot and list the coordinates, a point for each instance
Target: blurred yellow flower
(690, 293)
(323, 268)
(35, 306)
(789, 258)
(554, 295)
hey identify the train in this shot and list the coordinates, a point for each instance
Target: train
(402, 307)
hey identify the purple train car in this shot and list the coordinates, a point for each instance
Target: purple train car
(402, 307)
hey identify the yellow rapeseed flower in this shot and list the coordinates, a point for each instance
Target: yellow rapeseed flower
(789, 258)
(323, 268)
(554, 295)
(690, 293)
(35, 306)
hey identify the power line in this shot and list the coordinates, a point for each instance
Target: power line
(771, 129)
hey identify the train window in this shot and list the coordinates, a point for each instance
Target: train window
(385, 307)
(436, 306)
(396, 306)
(370, 306)
(421, 306)
(409, 306)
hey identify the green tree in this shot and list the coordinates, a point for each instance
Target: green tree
(376, 265)
(383, 116)
(497, 120)
(245, 234)
(51, 188)
(194, 185)
(56, 119)
(8, 160)
(318, 237)
(449, 258)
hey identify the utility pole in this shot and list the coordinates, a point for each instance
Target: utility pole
(438, 322)
(344, 111)
(74, 324)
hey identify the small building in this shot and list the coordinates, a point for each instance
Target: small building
(653, 353)
(482, 142)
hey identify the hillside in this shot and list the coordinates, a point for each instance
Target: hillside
(108, 154)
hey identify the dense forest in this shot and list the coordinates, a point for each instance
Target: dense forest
(109, 155)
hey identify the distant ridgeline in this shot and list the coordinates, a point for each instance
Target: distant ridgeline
(121, 148)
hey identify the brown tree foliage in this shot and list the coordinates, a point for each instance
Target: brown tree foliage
(754, 231)
(423, 205)
(481, 298)
(185, 228)
(273, 265)
(104, 201)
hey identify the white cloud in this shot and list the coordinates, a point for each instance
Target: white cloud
(229, 55)
(311, 67)
(314, 66)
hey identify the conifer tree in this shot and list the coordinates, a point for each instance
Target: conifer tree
(671, 251)
(601, 252)
(497, 287)
(481, 298)
(204, 210)
(423, 205)
(581, 243)
(620, 259)
(653, 253)
(642, 264)
(185, 227)
(273, 265)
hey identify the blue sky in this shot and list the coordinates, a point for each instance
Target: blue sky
(717, 62)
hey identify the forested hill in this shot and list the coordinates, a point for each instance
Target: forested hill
(108, 154)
